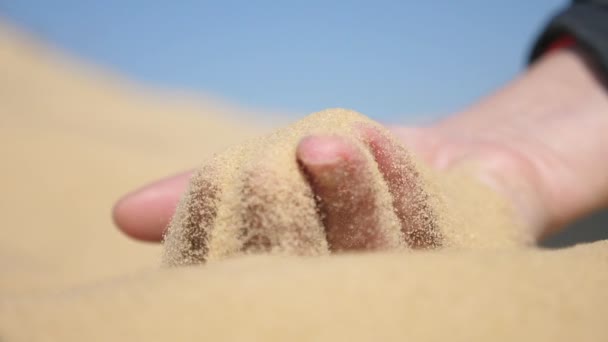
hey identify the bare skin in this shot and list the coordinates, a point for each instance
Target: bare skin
(540, 141)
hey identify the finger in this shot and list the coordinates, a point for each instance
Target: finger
(187, 237)
(410, 201)
(145, 213)
(340, 177)
(278, 215)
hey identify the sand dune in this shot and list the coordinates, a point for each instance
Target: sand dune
(73, 139)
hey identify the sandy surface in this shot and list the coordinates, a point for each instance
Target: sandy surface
(73, 139)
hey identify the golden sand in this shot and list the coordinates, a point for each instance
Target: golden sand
(72, 141)
(255, 198)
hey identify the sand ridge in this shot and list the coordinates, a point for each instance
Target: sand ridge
(454, 295)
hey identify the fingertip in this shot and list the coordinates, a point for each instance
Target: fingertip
(323, 150)
(145, 213)
(137, 215)
(118, 216)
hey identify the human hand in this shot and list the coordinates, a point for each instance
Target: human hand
(337, 169)
(526, 141)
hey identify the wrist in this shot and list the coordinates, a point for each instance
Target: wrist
(554, 120)
(564, 80)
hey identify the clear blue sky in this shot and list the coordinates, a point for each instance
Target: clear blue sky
(388, 59)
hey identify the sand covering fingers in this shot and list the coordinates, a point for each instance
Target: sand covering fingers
(255, 198)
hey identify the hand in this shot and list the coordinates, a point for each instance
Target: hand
(540, 142)
(337, 170)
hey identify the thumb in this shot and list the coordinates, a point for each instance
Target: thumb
(145, 213)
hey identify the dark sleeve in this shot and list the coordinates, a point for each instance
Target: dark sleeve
(585, 21)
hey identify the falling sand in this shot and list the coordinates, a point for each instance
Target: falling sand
(74, 140)
(255, 198)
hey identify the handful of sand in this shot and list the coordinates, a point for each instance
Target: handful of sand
(254, 198)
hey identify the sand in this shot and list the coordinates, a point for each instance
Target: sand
(73, 139)
(255, 198)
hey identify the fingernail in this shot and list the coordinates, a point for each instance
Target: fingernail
(322, 150)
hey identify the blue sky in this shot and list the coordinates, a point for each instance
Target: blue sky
(392, 60)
